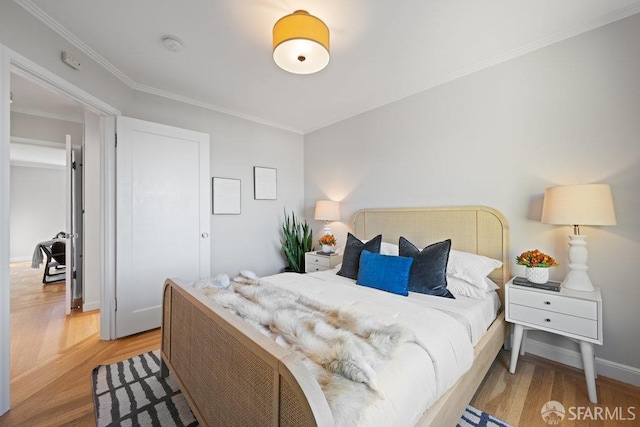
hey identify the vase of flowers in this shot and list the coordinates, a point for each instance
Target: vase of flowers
(537, 265)
(328, 242)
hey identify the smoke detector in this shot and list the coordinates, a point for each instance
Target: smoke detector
(172, 43)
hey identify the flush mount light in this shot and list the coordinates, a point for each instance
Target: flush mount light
(301, 43)
(172, 44)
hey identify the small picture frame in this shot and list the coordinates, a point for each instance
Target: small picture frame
(265, 183)
(225, 194)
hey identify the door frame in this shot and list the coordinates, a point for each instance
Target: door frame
(12, 62)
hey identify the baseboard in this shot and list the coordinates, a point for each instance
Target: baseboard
(90, 306)
(606, 368)
(20, 259)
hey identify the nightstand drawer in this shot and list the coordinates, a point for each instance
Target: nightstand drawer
(557, 321)
(554, 303)
(320, 261)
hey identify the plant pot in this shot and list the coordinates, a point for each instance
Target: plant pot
(537, 274)
(326, 249)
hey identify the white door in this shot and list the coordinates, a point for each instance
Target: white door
(162, 217)
(69, 237)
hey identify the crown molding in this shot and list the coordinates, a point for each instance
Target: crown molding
(592, 24)
(38, 142)
(46, 114)
(202, 104)
(41, 15)
(514, 53)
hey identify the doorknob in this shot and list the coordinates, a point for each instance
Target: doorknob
(205, 235)
(70, 236)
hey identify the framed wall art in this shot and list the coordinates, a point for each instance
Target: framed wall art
(225, 196)
(265, 183)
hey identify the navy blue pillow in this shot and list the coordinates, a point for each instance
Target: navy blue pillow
(385, 272)
(428, 273)
(352, 251)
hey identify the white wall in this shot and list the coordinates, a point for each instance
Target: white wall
(45, 129)
(247, 241)
(565, 114)
(37, 208)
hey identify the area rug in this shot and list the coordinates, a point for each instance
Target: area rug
(473, 417)
(130, 393)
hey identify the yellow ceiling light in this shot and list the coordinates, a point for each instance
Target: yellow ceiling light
(301, 43)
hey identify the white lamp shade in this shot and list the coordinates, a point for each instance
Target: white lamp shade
(588, 204)
(327, 210)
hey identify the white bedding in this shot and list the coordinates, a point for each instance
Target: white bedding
(411, 381)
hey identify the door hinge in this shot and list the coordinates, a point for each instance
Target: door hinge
(116, 138)
(73, 165)
(115, 304)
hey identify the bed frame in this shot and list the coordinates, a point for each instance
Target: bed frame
(232, 375)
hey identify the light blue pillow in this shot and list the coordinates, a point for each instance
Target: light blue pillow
(385, 272)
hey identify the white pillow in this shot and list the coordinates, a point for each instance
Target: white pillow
(471, 268)
(385, 249)
(459, 287)
(389, 249)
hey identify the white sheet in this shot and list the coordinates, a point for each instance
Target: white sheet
(413, 379)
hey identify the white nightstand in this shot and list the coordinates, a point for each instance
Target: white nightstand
(318, 262)
(573, 314)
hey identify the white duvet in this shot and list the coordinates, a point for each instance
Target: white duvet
(413, 379)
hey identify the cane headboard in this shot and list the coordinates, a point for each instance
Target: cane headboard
(476, 229)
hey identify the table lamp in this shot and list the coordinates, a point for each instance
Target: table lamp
(327, 210)
(576, 205)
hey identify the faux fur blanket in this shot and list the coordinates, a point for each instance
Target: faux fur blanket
(344, 351)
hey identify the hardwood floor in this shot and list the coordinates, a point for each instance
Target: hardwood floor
(519, 398)
(52, 355)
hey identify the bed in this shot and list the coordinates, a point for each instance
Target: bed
(231, 374)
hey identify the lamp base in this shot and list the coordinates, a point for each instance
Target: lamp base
(577, 278)
(327, 228)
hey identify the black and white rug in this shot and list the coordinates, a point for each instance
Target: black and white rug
(130, 393)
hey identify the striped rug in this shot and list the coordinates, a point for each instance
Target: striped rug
(129, 393)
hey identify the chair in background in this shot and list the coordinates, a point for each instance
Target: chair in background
(54, 269)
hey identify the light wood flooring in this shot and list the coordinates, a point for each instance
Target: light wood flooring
(518, 398)
(52, 357)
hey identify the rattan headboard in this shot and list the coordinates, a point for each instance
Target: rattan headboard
(476, 229)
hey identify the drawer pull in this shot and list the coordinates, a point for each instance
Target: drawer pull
(547, 302)
(547, 320)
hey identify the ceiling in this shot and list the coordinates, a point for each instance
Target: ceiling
(381, 51)
(31, 98)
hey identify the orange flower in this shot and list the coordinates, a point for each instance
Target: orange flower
(535, 258)
(328, 239)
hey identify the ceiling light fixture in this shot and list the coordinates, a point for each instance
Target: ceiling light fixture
(301, 43)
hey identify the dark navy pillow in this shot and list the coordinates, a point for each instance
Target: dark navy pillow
(385, 272)
(428, 273)
(352, 251)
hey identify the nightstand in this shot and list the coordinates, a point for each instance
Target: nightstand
(573, 314)
(319, 262)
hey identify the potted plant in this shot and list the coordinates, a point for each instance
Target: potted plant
(538, 264)
(296, 241)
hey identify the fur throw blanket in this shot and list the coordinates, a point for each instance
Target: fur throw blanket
(342, 350)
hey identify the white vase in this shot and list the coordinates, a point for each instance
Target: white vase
(326, 249)
(537, 274)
